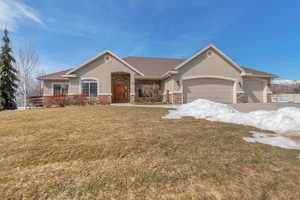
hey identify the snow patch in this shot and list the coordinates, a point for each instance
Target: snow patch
(280, 121)
(284, 120)
(200, 109)
(273, 140)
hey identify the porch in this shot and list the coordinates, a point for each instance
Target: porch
(149, 92)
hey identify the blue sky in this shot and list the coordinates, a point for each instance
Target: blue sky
(263, 35)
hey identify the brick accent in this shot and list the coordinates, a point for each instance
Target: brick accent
(105, 99)
(167, 99)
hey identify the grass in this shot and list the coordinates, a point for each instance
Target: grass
(104, 152)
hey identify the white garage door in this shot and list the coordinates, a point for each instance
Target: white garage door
(254, 90)
(218, 90)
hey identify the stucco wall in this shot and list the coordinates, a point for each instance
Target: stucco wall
(47, 86)
(167, 85)
(74, 86)
(101, 70)
(256, 87)
(203, 65)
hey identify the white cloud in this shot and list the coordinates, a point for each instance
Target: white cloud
(13, 11)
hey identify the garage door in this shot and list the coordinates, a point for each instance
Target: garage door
(213, 89)
(254, 90)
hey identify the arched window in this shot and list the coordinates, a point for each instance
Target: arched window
(89, 88)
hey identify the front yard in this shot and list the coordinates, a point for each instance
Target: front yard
(106, 152)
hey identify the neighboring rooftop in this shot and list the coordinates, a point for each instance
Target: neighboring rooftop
(285, 82)
(150, 67)
(256, 72)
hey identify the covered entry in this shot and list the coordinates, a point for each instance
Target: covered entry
(120, 84)
(214, 89)
(254, 90)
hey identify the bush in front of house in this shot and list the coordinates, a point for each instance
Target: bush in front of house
(61, 100)
(78, 100)
(104, 100)
(57, 100)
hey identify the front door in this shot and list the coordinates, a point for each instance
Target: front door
(120, 92)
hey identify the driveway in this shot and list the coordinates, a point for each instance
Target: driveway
(145, 106)
(243, 107)
(249, 107)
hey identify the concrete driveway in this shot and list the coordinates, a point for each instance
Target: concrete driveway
(243, 107)
(249, 107)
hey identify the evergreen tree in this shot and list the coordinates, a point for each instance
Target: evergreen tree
(8, 76)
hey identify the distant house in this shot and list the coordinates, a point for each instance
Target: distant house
(285, 91)
(208, 74)
(285, 86)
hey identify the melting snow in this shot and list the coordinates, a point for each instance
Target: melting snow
(280, 121)
(274, 140)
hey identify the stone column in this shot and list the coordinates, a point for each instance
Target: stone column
(132, 88)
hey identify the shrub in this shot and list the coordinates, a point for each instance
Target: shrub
(78, 100)
(59, 100)
(104, 100)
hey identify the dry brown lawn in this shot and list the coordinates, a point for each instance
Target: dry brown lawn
(104, 152)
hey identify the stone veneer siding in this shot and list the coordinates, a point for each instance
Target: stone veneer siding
(269, 98)
(241, 98)
(177, 98)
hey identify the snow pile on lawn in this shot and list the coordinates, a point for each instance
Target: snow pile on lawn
(277, 141)
(200, 109)
(280, 121)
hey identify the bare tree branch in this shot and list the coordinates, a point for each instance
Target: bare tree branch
(26, 64)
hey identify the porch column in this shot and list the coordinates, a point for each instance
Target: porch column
(235, 85)
(265, 92)
(132, 88)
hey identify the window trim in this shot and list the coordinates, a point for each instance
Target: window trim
(89, 78)
(60, 83)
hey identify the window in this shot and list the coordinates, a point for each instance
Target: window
(89, 88)
(147, 90)
(60, 88)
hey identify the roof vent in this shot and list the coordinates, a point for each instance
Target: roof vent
(107, 58)
(209, 53)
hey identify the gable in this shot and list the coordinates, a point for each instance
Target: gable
(100, 69)
(102, 57)
(210, 62)
(104, 65)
